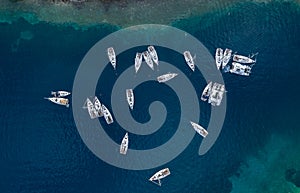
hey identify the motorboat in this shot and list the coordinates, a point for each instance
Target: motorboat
(199, 129)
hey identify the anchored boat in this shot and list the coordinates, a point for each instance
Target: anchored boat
(206, 92)
(160, 175)
(199, 129)
(240, 69)
(112, 56)
(130, 98)
(138, 61)
(60, 93)
(189, 60)
(219, 57)
(107, 115)
(166, 77)
(98, 106)
(153, 54)
(124, 144)
(58, 100)
(148, 59)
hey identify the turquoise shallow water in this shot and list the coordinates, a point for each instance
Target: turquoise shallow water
(41, 150)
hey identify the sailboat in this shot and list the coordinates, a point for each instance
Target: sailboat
(124, 144)
(159, 175)
(130, 98)
(112, 56)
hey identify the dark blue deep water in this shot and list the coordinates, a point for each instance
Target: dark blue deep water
(41, 150)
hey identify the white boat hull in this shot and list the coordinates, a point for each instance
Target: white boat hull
(148, 59)
(107, 115)
(112, 57)
(124, 145)
(189, 60)
(130, 98)
(138, 61)
(199, 129)
(59, 101)
(219, 57)
(153, 54)
(166, 77)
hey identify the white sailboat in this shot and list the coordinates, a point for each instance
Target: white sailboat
(160, 175)
(107, 115)
(138, 61)
(60, 93)
(243, 59)
(219, 57)
(217, 94)
(240, 69)
(206, 92)
(58, 100)
(153, 54)
(226, 57)
(98, 106)
(124, 144)
(189, 60)
(112, 56)
(148, 59)
(91, 108)
(199, 129)
(130, 98)
(166, 77)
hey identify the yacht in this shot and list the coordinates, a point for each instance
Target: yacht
(206, 92)
(217, 94)
(138, 61)
(189, 60)
(226, 57)
(124, 145)
(58, 100)
(160, 175)
(107, 115)
(166, 77)
(130, 98)
(60, 93)
(153, 54)
(240, 69)
(243, 59)
(112, 56)
(91, 108)
(148, 59)
(199, 129)
(98, 106)
(219, 57)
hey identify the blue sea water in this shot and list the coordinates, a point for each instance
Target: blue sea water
(41, 150)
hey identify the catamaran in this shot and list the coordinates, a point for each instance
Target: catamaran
(216, 95)
(98, 106)
(138, 61)
(199, 129)
(112, 56)
(219, 57)
(226, 57)
(148, 59)
(160, 175)
(107, 115)
(60, 93)
(58, 100)
(124, 144)
(153, 54)
(240, 69)
(130, 98)
(91, 108)
(243, 59)
(166, 77)
(206, 92)
(189, 60)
